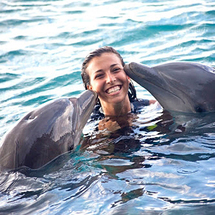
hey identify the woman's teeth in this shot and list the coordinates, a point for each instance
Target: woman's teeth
(113, 89)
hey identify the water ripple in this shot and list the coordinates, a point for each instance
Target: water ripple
(43, 44)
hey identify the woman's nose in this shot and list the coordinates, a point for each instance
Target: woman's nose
(110, 78)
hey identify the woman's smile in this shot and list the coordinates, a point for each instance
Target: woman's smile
(113, 90)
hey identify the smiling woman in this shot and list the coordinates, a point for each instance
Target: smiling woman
(103, 72)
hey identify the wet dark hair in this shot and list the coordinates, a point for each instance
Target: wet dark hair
(97, 53)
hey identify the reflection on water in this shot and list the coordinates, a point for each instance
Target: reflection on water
(156, 165)
(129, 170)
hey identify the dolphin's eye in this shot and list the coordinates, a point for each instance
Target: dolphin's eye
(199, 109)
(71, 148)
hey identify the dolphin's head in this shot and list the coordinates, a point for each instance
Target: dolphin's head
(180, 86)
(47, 132)
(83, 107)
(72, 119)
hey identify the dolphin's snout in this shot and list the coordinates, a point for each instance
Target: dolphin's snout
(128, 69)
(137, 71)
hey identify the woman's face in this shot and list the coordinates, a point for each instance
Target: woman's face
(108, 78)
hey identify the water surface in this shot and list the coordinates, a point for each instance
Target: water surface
(141, 171)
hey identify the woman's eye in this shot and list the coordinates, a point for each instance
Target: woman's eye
(98, 76)
(116, 69)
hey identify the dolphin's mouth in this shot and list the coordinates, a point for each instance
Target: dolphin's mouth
(169, 92)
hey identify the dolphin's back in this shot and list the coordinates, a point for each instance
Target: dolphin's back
(194, 75)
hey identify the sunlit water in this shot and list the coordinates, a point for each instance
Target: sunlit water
(147, 169)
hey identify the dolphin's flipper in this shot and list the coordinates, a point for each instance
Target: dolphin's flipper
(47, 132)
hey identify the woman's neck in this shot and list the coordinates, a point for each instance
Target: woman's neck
(119, 109)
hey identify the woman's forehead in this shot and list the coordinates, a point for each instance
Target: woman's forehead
(103, 61)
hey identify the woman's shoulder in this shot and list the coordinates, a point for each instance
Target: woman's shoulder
(136, 107)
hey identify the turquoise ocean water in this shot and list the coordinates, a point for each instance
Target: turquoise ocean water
(43, 44)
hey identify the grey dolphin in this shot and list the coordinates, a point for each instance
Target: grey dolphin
(177, 86)
(47, 132)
